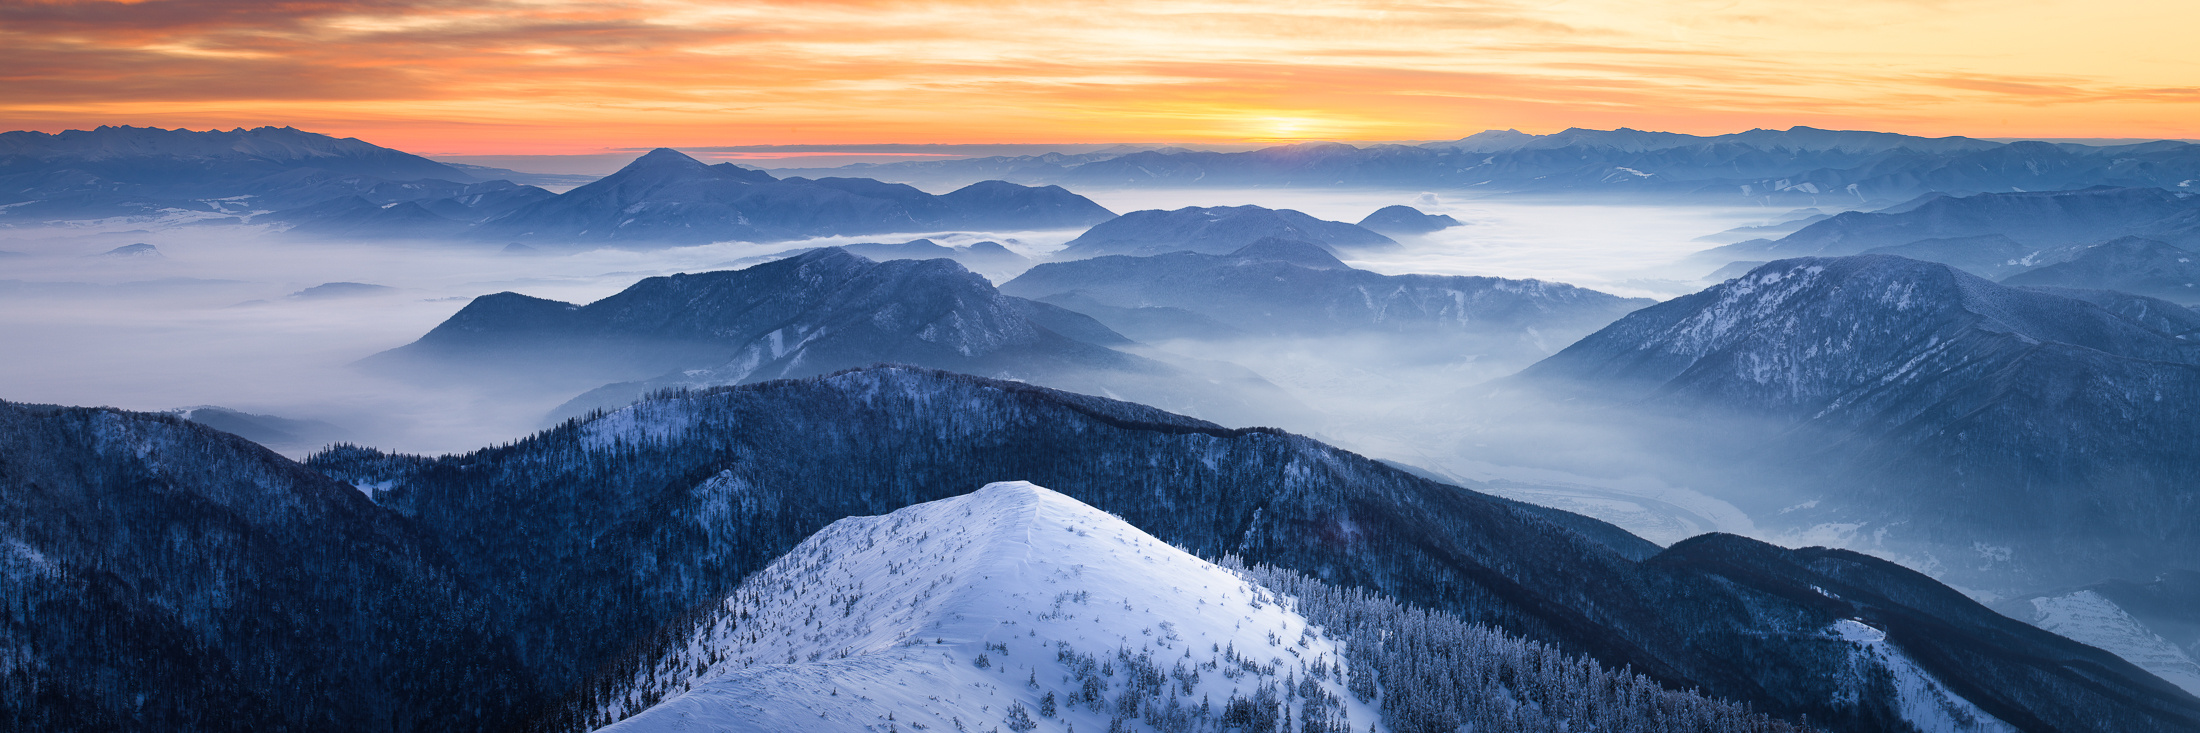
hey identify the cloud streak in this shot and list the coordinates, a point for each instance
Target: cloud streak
(564, 76)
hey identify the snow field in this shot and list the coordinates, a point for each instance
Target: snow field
(1924, 701)
(1012, 608)
(2092, 618)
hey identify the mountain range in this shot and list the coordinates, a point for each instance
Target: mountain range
(2053, 225)
(319, 187)
(813, 313)
(228, 176)
(526, 583)
(1293, 289)
(666, 197)
(1797, 166)
(2009, 437)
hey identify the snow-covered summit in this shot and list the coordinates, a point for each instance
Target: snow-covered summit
(1009, 607)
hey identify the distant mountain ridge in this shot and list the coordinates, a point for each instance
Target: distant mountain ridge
(667, 197)
(319, 187)
(1799, 138)
(1797, 166)
(234, 176)
(151, 153)
(2054, 223)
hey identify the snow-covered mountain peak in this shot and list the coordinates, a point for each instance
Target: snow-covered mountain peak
(1012, 607)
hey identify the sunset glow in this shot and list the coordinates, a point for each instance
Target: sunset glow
(557, 76)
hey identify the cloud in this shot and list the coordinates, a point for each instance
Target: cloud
(565, 76)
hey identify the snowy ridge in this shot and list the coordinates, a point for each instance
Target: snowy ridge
(1019, 608)
(1925, 702)
(1007, 606)
(2091, 618)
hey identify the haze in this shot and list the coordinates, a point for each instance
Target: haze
(212, 320)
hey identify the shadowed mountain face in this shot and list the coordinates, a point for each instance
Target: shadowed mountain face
(814, 313)
(161, 575)
(2017, 438)
(2131, 264)
(1281, 288)
(498, 581)
(668, 197)
(2052, 224)
(1215, 230)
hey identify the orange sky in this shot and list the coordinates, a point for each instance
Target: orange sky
(559, 76)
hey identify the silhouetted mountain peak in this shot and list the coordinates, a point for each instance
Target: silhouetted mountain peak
(665, 158)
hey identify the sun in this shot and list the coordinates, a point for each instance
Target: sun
(1275, 128)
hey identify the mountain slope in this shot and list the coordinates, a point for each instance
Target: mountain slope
(1019, 605)
(2023, 437)
(2089, 617)
(667, 197)
(162, 575)
(672, 502)
(960, 611)
(1214, 230)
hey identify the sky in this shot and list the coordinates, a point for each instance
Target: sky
(560, 77)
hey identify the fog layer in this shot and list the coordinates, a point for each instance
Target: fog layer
(215, 318)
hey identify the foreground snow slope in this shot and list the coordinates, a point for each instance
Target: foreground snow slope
(968, 613)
